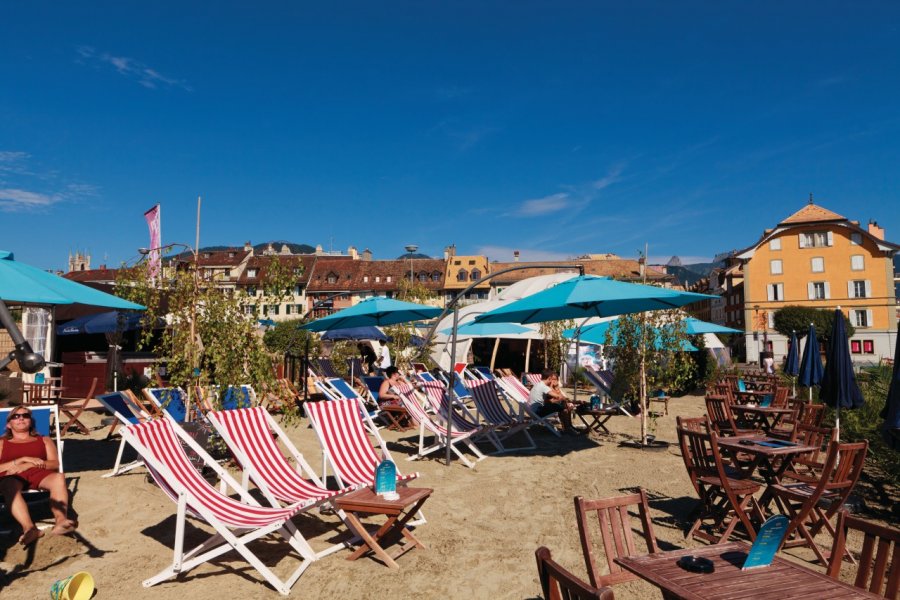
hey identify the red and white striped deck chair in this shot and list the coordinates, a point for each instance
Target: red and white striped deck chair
(436, 429)
(517, 392)
(236, 522)
(463, 419)
(345, 446)
(531, 379)
(248, 432)
(495, 411)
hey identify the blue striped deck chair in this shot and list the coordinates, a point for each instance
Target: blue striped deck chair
(326, 367)
(603, 381)
(126, 412)
(46, 423)
(373, 382)
(483, 373)
(497, 411)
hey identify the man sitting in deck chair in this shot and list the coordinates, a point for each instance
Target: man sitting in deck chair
(546, 399)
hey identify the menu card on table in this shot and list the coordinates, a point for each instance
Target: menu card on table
(386, 480)
(768, 540)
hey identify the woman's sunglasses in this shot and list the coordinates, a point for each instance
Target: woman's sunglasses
(20, 416)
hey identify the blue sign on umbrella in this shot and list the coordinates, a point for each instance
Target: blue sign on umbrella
(811, 363)
(839, 389)
(106, 322)
(375, 311)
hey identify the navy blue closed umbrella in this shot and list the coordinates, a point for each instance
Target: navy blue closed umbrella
(107, 322)
(890, 430)
(792, 362)
(839, 389)
(811, 363)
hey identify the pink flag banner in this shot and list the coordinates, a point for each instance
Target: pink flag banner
(152, 217)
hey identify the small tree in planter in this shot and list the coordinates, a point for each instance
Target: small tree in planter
(647, 350)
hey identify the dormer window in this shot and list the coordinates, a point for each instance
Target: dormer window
(332, 278)
(475, 275)
(252, 272)
(462, 275)
(436, 276)
(422, 277)
(231, 255)
(388, 279)
(206, 255)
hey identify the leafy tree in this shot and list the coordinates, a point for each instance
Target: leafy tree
(402, 334)
(286, 338)
(555, 345)
(797, 319)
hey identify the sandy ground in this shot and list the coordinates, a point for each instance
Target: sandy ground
(483, 525)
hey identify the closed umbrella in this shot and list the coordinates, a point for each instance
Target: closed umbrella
(792, 362)
(811, 363)
(375, 311)
(890, 430)
(839, 389)
(106, 322)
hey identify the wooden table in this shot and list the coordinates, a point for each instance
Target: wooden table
(663, 399)
(767, 417)
(782, 580)
(366, 502)
(599, 417)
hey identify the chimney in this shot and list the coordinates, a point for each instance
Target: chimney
(319, 251)
(875, 230)
(367, 254)
(515, 256)
(248, 247)
(351, 251)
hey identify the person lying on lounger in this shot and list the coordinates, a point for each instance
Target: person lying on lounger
(30, 461)
(546, 399)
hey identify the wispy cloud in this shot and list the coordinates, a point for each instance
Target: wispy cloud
(505, 254)
(27, 188)
(132, 69)
(15, 200)
(543, 206)
(611, 177)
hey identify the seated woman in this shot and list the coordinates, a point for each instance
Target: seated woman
(30, 461)
(387, 393)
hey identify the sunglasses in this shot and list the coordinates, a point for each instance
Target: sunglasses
(20, 417)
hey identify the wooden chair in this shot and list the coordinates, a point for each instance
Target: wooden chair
(721, 418)
(725, 497)
(559, 584)
(808, 467)
(615, 531)
(802, 500)
(73, 409)
(879, 561)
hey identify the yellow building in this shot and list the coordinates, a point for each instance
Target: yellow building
(818, 258)
(461, 272)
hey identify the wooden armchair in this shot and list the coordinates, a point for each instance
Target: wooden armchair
(722, 419)
(879, 561)
(559, 584)
(615, 531)
(73, 408)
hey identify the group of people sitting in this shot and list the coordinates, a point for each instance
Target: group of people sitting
(30, 461)
(547, 398)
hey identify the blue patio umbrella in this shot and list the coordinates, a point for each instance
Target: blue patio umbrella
(792, 362)
(106, 322)
(810, 363)
(24, 284)
(473, 329)
(374, 312)
(355, 333)
(596, 334)
(839, 389)
(693, 326)
(890, 430)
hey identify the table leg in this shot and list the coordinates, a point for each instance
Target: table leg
(370, 543)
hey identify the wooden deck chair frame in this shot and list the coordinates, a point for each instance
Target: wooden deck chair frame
(557, 583)
(436, 430)
(125, 413)
(615, 532)
(491, 409)
(879, 561)
(74, 408)
(514, 390)
(249, 520)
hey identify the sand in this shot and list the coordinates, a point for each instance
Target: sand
(483, 525)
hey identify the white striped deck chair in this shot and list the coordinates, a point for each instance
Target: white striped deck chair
(335, 388)
(248, 434)
(236, 522)
(517, 392)
(463, 419)
(495, 411)
(436, 429)
(531, 378)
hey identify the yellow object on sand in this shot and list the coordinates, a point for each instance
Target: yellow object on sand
(79, 586)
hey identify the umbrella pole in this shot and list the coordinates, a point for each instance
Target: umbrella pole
(494, 353)
(452, 383)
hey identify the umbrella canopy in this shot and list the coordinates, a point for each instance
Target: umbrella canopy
(694, 326)
(355, 333)
(839, 389)
(472, 329)
(24, 284)
(792, 362)
(811, 363)
(891, 413)
(589, 296)
(596, 334)
(374, 311)
(107, 322)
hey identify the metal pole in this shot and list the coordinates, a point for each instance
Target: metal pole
(450, 387)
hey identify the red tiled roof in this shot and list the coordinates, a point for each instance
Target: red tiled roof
(812, 213)
(261, 263)
(622, 268)
(230, 257)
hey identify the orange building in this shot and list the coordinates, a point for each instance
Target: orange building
(818, 258)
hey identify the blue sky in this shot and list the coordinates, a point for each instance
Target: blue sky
(554, 128)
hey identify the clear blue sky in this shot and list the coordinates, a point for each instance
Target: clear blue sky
(555, 128)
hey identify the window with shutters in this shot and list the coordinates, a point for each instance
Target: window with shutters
(818, 290)
(857, 262)
(775, 267)
(775, 292)
(860, 289)
(818, 264)
(855, 346)
(862, 317)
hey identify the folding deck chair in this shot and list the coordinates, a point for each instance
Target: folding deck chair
(170, 401)
(337, 389)
(423, 419)
(236, 523)
(73, 409)
(126, 412)
(515, 391)
(396, 416)
(496, 412)
(447, 407)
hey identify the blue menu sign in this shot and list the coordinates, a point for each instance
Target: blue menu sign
(386, 478)
(768, 540)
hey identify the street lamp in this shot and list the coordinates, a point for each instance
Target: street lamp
(410, 249)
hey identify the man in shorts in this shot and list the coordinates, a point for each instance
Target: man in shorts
(547, 399)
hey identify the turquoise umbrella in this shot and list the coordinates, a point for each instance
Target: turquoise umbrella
(24, 284)
(374, 311)
(589, 296)
(694, 326)
(596, 334)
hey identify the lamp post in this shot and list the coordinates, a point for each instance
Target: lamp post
(410, 249)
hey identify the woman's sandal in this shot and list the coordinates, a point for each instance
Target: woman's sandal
(66, 527)
(31, 536)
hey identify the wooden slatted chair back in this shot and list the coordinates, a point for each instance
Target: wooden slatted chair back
(878, 569)
(696, 452)
(720, 416)
(781, 395)
(808, 435)
(611, 515)
(811, 414)
(558, 583)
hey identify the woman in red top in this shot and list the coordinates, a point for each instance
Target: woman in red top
(30, 461)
